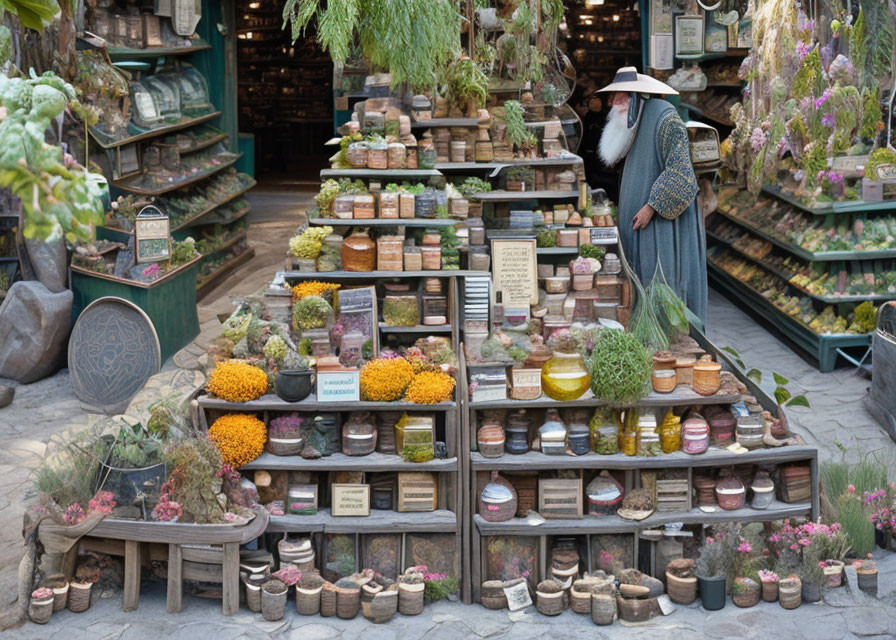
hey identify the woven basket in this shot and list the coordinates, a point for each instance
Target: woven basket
(770, 591)
(368, 593)
(284, 447)
(603, 608)
(790, 593)
(632, 610)
(410, 599)
(549, 604)
(745, 600)
(348, 603)
(383, 606)
(40, 610)
(564, 576)
(580, 601)
(79, 596)
(681, 590)
(59, 585)
(492, 595)
(273, 605)
(253, 596)
(308, 601)
(328, 601)
(290, 552)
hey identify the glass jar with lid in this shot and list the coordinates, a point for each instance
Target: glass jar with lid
(358, 252)
(553, 434)
(517, 433)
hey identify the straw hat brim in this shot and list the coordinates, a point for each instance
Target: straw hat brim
(644, 84)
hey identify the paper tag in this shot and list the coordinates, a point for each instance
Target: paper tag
(666, 606)
(518, 596)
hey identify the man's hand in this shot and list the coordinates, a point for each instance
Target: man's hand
(643, 217)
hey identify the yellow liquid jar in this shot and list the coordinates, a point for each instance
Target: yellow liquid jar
(564, 377)
(628, 443)
(670, 433)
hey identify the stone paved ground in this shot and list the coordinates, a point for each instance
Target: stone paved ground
(49, 407)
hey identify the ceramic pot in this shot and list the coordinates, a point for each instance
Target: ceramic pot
(712, 592)
(293, 385)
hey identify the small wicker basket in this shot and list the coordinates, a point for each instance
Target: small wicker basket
(383, 606)
(492, 595)
(770, 591)
(273, 600)
(40, 610)
(328, 600)
(79, 596)
(603, 608)
(550, 604)
(790, 592)
(348, 602)
(253, 595)
(308, 601)
(410, 599)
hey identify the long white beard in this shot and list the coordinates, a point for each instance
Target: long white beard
(617, 138)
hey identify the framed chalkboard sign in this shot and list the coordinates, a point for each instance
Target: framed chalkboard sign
(152, 235)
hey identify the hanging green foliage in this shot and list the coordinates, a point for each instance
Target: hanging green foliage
(412, 39)
(872, 48)
(805, 79)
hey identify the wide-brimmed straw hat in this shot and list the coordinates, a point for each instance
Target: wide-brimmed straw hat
(628, 80)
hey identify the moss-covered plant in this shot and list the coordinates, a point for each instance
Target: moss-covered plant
(467, 83)
(620, 367)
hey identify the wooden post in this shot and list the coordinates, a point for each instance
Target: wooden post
(231, 575)
(174, 601)
(131, 575)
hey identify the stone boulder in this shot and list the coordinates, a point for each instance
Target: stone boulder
(50, 261)
(36, 324)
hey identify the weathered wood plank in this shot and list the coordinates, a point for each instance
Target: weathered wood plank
(440, 521)
(614, 524)
(231, 586)
(341, 462)
(131, 575)
(271, 402)
(203, 553)
(174, 598)
(713, 457)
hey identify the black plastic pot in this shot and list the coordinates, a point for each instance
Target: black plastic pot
(293, 385)
(712, 592)
(811, 592)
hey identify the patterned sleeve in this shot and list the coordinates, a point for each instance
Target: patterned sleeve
(676, 187)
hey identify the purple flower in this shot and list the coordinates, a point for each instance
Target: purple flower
(802, 50)
(835, 178)
(757, 139)
(828, 120)
(819, 102)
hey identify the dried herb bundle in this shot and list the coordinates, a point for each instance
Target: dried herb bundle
(620, 367)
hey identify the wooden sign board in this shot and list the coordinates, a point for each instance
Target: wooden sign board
(604, 235)
(152, 236)
(339, 386)
(350, 500)
(688, 35)
(560, 498)
(417, 492)
(515, 271)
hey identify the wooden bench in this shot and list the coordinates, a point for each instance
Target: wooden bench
(195, 551)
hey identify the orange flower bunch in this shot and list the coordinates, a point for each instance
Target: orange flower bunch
(430, 387)
(240, 438)
(312, 288)
(237, 381)
(385, 379)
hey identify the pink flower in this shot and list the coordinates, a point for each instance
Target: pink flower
(774, 538)
(805, 542)
(709, 540)
(103, 502)
(802, 50)
(744, 547)
(822, 564)
(794, 547)
(851, 488)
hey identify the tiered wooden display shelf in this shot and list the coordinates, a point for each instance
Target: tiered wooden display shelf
(446, 519)
(823, 349)
(631, 466)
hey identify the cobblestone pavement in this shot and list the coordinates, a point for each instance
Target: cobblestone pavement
(837, 424)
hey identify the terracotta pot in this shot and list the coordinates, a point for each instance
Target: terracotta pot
(681, 590)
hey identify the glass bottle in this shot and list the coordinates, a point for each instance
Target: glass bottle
(564, 377)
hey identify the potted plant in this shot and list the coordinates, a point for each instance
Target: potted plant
(714, 563)
(293, 381)
(411, 588)
(438, 586)
(745, 592)
(769, 583)
(867, 575)
(133, 466)
(833, 573)
(41, 606)
(681, 580)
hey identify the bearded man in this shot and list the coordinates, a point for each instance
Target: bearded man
(658, 218)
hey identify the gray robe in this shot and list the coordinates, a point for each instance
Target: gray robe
(658, 172)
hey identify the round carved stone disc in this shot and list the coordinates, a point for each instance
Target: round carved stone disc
(113, 351)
